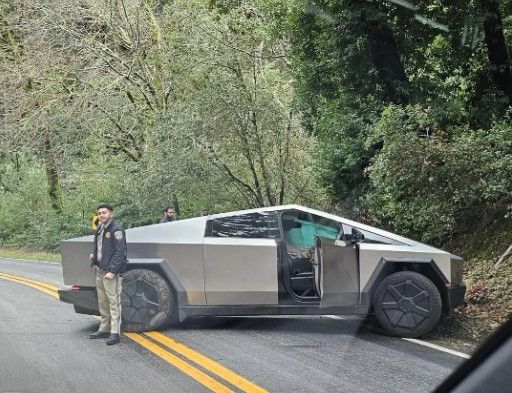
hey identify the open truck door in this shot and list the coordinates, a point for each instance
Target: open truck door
(336, 272)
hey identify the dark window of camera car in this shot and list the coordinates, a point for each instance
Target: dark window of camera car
(264, 225)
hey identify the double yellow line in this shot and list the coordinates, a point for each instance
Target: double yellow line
(192, 363)
(46, 288)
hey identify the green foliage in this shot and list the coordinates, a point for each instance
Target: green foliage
(433, 184)
(218, 105)
(342, 157)
(405, 166)
(26, 216)
(29, 254)
(146, 105)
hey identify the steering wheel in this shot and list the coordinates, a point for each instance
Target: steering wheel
(340, 234)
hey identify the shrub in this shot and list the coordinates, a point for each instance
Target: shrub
(436, 184)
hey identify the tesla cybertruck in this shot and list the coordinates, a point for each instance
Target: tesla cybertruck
(287, 260)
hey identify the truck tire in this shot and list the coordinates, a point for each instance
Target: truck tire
(407, 304)
(147, 301)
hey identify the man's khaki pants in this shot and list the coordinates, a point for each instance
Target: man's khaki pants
(109, 301)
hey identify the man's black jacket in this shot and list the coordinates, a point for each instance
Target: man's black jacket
(113, 249)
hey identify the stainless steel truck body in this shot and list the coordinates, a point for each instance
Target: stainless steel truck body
(276, 260)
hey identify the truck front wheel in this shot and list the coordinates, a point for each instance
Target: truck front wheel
(407, 304)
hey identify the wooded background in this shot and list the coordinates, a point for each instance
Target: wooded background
(396, 113)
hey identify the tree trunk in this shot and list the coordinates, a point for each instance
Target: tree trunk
(175, 204)
(52, 175)
(497, 48)
(284, 150)
(386, 59)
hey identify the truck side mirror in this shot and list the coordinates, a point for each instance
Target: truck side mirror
(357, 236)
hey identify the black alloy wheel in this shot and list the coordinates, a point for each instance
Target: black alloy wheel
(407, 304)
(147, 301)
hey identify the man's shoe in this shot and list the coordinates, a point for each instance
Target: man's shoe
(99, 334)
(113, 339)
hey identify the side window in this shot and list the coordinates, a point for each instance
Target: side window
(301, 228)
(370, 237)
(252, 225)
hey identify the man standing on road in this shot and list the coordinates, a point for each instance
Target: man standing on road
(168, 215)
(109, 260)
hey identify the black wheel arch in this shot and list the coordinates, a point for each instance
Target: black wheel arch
(161, 267)
(388, 266)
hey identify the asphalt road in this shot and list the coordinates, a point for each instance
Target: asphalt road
(44, 346)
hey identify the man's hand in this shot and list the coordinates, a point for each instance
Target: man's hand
(110, 275)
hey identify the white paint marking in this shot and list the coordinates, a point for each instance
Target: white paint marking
(31, 260)
(419, 342)
(438, 347)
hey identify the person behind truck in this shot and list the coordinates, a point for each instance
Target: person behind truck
(168, 215)
(109, 260)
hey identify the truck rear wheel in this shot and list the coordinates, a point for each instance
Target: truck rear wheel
(147, 301)
(407, 304)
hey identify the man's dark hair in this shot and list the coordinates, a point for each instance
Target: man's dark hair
(106, 206)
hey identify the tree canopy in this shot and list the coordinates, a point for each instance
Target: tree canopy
(391, 112)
